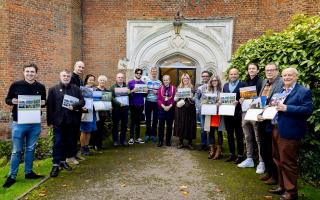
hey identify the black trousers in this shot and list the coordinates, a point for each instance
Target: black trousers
(212, 138)
(135, 116)
(233, 126)
(63, 142)
(119, 115)
(151, 108)
(97, 136)
(265, 129)
(165, 118)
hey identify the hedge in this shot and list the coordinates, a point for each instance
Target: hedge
(298, 46)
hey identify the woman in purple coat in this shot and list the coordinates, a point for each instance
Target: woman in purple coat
(166, 104)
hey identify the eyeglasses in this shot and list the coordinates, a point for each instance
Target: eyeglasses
(271, 70)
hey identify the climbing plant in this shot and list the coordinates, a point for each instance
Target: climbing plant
(298, 46)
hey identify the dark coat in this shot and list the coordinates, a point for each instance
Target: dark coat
(56, 114)
(238, 111)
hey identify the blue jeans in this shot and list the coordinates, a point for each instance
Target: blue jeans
(21, 133)
(203, 133)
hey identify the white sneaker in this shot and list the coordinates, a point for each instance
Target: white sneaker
(131, 141)
(260, 168)
(72, 160)
(246, 163)
(139, 141)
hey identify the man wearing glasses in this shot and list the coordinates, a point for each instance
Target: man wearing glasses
(199, 98)
(136, 105)
(271, 85)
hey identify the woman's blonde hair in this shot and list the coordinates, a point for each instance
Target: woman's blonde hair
(181, 85)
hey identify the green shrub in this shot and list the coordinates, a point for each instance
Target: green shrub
(297, 46)
(43, 149)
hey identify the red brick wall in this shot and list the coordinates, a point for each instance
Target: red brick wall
(104, 22)
(48, 33)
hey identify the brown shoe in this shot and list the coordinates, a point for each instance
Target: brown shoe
(264, 178)
(278, 191)
(211, 152)
(271, 181)
(218, 153)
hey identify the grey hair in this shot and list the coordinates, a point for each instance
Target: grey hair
(166, 76)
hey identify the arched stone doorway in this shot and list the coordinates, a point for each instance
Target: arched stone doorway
(206, 43)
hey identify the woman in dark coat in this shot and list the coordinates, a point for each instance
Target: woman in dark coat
(185, 115)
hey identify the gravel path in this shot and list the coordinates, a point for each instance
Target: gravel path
(144, 172)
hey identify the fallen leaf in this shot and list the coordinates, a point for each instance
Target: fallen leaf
(64, 185)
(221, 174)
(183, 187)
(123, 185)
(185, 193)
(130, 158)
(88, 180)
(42, 195)
(217, 190)
(268, 197)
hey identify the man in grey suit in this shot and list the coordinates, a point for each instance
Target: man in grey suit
(271, 85)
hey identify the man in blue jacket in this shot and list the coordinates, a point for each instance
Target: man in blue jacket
(290, 126)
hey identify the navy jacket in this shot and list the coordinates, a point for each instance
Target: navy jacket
(293, 123)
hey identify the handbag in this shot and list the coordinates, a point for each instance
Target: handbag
(181, 103)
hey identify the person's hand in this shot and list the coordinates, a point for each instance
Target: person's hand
(14, 101)
(71, 107)
(145, 89)
(84, 109)
(50, 126)
(155, 91)
(235, 103)
(43, 102)
(281, 107)
(133, 90)
(241, 100)
(260, 118)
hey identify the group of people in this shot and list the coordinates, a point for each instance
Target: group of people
(277, 140)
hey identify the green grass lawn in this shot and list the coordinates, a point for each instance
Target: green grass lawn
(22, 185)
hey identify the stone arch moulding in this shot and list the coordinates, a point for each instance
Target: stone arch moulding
(208, 42)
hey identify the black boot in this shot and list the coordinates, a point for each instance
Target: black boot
(64, 165)
(54, 171)
(32, 175)
(9, 182)
(160, 144)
